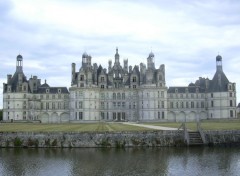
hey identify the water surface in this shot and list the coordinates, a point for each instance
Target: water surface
(122, 162)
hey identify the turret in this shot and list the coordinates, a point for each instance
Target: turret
(73, 72)
(117, 57)
(125, 63)
(9, 77)
(19, 63)
(219, 63)
(109, 65)
(150, 61)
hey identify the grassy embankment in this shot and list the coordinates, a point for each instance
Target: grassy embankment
(82, 127)
(103, 127)
(206, 124)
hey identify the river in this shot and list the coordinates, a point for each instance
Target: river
(123, 162)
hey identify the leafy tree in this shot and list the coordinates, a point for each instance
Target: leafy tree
(1, 114)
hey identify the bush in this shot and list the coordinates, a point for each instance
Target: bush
(17, 142)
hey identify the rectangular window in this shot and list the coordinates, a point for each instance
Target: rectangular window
(123, 115)
(134, 86)
(102, 86)
(162, 93)
(81, 77)
(231, 113)
(163, 115)
(123, 104)
(80, 115)
(80, 104)
(192, 104)
(102, 115)
(114, 115)
(123, 96)
(162, 104)
(212, 104)
(134, 79)
(159, 115)
(102, 105)
(102, 79)
(231, 103)
(171, 104)
(134, 105)
(202, 104)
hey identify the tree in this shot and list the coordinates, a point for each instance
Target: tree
(1, 114)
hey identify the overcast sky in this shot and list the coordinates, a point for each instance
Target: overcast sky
(185, 35)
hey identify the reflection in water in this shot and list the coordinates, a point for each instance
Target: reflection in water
(141, 161)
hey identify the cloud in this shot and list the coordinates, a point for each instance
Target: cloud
(184, 35)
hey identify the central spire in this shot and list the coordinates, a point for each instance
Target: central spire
(116, 56)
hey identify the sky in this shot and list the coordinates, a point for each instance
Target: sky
(184, 35)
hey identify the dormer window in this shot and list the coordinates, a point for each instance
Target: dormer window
(81, 77)
(59, 90)
(176, 90)
(134, 79)
(102, 79)
(47, 90)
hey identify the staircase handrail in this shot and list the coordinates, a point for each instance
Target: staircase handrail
(186, 135)
(200, 130)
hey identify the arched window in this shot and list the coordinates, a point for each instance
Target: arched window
(123, 96)
(118, 96)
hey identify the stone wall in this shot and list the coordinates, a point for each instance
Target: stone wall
(113, 139)
(92, 139)
(227, 137)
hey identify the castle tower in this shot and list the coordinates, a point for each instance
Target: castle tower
(19, 63)
(117, 57)
(219, 63)
(125, 63)
(73, 72)
(150, 61)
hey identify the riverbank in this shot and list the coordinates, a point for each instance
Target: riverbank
(113, 139)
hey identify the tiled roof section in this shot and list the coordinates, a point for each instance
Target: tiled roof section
(189, 89)
(52, 90)
(219, 82)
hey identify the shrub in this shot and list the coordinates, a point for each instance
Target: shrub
(17, 142)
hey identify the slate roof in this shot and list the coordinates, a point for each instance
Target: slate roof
(191, 89)
(219, 82)
(52, 90)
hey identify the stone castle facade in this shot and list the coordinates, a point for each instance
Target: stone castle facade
(119, 93)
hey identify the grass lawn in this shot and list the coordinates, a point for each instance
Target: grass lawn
(68, 127)
(205, 124)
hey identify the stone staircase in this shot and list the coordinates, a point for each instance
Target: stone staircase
(195, 138)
